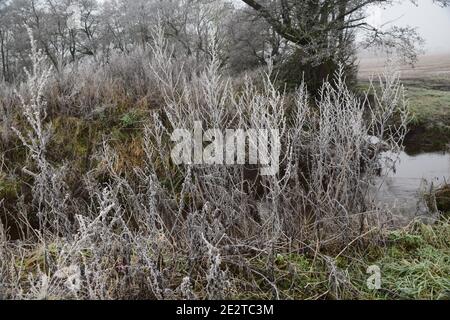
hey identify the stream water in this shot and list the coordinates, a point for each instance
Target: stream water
(402, 189)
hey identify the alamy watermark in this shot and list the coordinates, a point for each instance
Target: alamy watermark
(374, 280)
(228, 147)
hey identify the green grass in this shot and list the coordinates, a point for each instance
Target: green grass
(429, 102)
(430, 125)
(429, 107)
(8, 188)
(414, 263)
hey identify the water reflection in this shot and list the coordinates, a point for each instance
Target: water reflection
(413, 175)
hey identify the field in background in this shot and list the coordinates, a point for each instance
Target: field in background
(428, 91)
(433, 67)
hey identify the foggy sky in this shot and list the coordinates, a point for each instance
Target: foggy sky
(432, 22)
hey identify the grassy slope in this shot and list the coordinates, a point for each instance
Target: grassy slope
(429, 101)
(430, 106)
(414, 263)
(428, 89)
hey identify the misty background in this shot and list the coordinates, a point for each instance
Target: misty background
(431, 21)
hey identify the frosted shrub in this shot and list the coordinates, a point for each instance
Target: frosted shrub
(344, 156)
(162, 230)
(49, 191)
(333, 144)
(216, 278)
(328, 160)
(7, 102)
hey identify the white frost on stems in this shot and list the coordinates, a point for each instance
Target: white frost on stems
(164, 229)
(49, 190)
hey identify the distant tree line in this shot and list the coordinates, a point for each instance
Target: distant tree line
(310, 36)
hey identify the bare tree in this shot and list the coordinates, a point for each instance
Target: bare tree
(323, 28)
